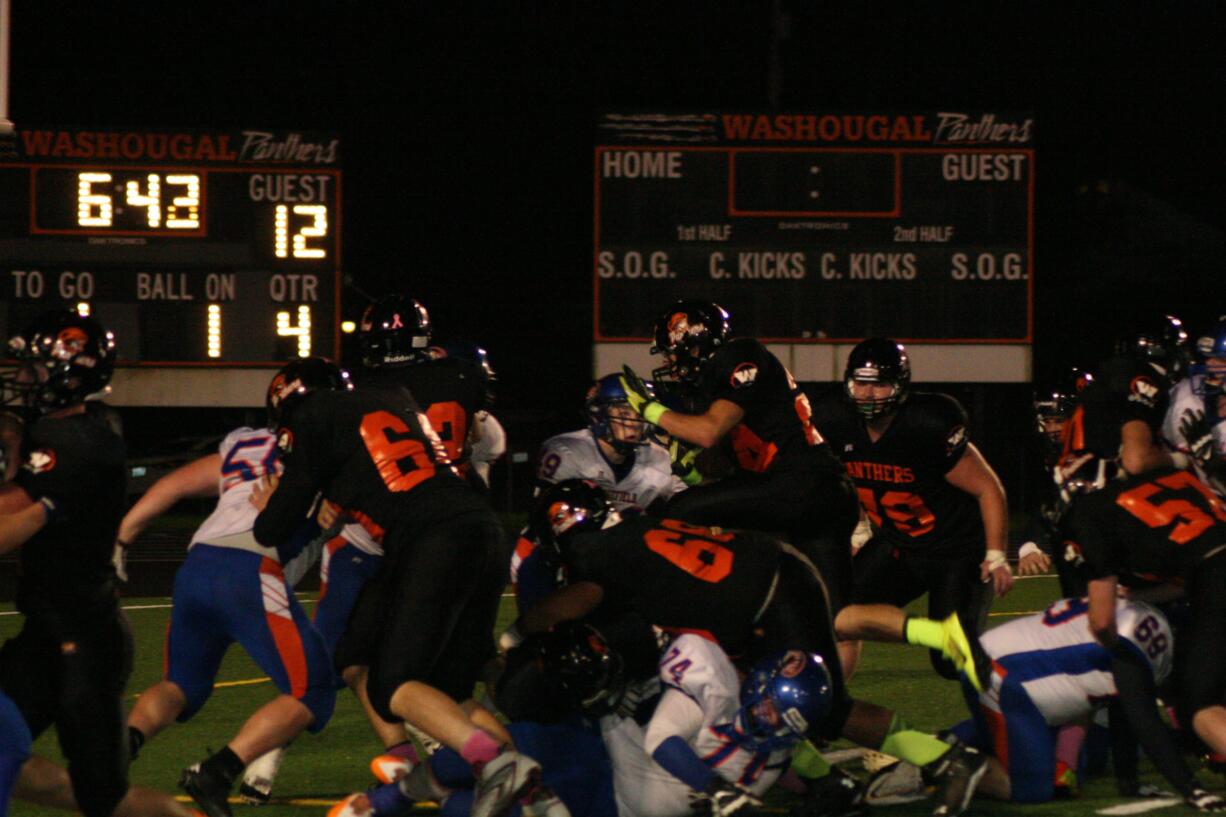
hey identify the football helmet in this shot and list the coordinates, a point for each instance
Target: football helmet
(610, 417)
(65, 358)
(878, 361)
(783, 697)
(298, 378)
(1054, 401)
(394, 331)
(569, 507)
(474, 353)
(1211, 351)
(1163, 342)
(1083, 472)
(687, 334)
(588, 672)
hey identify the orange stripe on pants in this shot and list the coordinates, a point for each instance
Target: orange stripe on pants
(285, 635)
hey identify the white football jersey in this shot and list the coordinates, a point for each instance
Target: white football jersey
(693, 671)
(490, 444)
(1063, 669)
(362, 539)
(246, 455)
(1183, 401)
(575, 455)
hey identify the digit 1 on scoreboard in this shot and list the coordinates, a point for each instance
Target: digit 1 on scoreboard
(214, 331)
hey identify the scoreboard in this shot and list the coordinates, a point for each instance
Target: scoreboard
(198, 249)
(818, 228)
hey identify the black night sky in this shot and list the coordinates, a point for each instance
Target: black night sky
(467, 131)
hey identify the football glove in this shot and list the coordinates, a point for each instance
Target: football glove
(1198, 432)
(683, 456)
(722, 799)
(640, 398)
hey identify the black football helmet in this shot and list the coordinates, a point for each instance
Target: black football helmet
(1163, 342)
(878, 360)
(474, 353)
(395, 331)
(298, 378)
(65, 358)
(589, 673)
(687, 334)
(1054, 401)
(562, 510)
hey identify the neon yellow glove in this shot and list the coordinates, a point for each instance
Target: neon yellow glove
(640, 398)
(683, 457)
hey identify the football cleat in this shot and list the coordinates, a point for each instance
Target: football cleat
(1065, 785)
(502, 781)
(874, 761)
(390, 768)
(355, 805)
(961, 646)
(956, 774)
(208, 790)
(836, 794)
(256, 787)
(542, 802)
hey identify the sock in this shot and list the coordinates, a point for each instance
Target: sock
(1069, 739)
(919, 748)
(808, 762)
(136, 739)
(479, 749)
(924, 632)
(225, 764)
(405, 749)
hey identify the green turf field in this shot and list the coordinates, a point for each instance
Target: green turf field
(320, 769)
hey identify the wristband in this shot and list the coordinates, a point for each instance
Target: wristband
(49, 508)
(653, 411)
(1027, 549)
(121, 543)
(995, 558)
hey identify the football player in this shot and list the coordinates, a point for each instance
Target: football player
(424, 624)
(231, 588)
(785, 479)
(938, 510)
(1163, 524)
(1193, 423)
(70, 662)
(747, 592)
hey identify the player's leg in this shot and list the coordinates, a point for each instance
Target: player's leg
(90, 722)
(953, 586)
(14, 748)
(1022, 744)
(43, 783)
(880, 586)
(1201, 656)
(263, 615)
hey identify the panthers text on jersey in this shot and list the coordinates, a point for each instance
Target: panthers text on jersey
(645, 477)
(1064, 670)
(900, 478)
(1126, 389)
(1186, 401)
(693, 671)
(681, 577)
(776, 431)
(1156, 526)
(77, 462)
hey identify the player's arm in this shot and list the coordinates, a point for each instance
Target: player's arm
(199, 478)
(287, 505)
(973, 475)
(18, 526)
(1101, 614)
(676, 721)
(1139, 451)
(565, 604)
(706, 429)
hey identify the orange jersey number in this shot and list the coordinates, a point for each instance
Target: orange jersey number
(450, 422)
(906, 510)
(400, 458)
(1192, 520)
(693, 549)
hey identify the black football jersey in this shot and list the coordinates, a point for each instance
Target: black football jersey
(1155, 526)
(449, 390)
(679, 576)
(78, 462)
(900, 478)
(776, 431)
(1126, 389)
(370, 451)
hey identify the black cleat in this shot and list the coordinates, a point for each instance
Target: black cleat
(837, 794)
(210, 791)
(955, 775)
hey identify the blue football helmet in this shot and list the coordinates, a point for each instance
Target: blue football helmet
(783, 697)
(610, 417)
(1211, 353)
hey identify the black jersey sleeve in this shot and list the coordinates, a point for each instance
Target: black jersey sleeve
(734, 371)
(57, 465)
(1086, 527)
(942, 435)
(302, 479)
